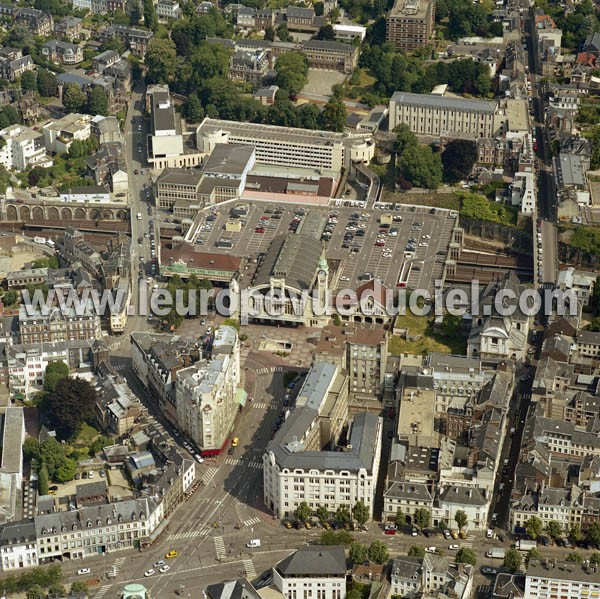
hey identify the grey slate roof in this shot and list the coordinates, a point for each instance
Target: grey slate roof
(294, 257)
(453, 103)
(362, 440)
(314, 561)
(232, 589)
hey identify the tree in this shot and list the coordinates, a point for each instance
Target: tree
(342, 515)
(36, 592)
(28, 81)
(461, 519)
(595, 559)
(135, 14)
(575, 532)
(554, 529)
(422, 517)
(43, 480)
(360, 513)
(404, 138)
(358, 553)
(150, 18)
(57, 591)
(303, 512)
(466, 556)
(79, 586)
(593, 533)
(283, 34)
(73, 98)
(531, 554)
(31, 449)
(292, 72)
(416, 551)
(55, 371)
(512, 560)
(319, 8)
(70, 405)
(97, 102)
(269, 34)
(332, 537)
(400, 519)
(378, 552)
(322, 513)
(326, 32)
(10, 297)
(192, 109)
(333, 117)
(160, 60)
(575, 557)
(421, 166)
(458, 159)
(534, 527)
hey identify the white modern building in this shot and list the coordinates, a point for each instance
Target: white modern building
(444, 116)
(207, 393)
(286, 146)
(166, 140)
(92, 194)
(318, 572)
(23, 148)
(523, 192)
(168, 9)
(549, 578)
(60, 134)
(348, 33)
(295, 466)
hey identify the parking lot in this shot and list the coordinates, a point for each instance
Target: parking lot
(368, 243)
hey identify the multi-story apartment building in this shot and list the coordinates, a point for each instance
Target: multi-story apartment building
(286, 146)
(312, 572)
(26, 364)
(207, 394)
(367, 354)
(443, 116)
(168, 9)
(62, 52)
(18, 546)
(60, 134)
(429, 575)
(156, 360)
(13, 64)
(550, 578)
(581, 283)
(410, 23)
(295, 466)
(330, 56)
(24, 148)
(37, 22)
(136, 39)
(59, 325)
(523, 192)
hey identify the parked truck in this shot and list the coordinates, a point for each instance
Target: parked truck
(523, 545)
(495, 553)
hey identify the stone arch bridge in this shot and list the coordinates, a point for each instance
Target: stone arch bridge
(57, 211)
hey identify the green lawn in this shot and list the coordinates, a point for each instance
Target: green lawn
(430, 340)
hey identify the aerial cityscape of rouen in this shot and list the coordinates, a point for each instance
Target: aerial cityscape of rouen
(300, 299)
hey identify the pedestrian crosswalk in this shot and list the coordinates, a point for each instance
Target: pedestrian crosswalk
(118, 564)
(260, 406)
(468, 542)
(220, 547)
(249, 567)
(190, 534)
(209, 475)
(102, 591)
(269, 370)
(237, 461)
(251, 521)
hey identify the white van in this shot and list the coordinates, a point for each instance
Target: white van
(253, 543)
